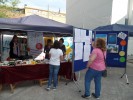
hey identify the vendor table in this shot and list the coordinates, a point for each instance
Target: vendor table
(13, 74)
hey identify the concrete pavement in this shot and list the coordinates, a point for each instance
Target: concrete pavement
(113, 88)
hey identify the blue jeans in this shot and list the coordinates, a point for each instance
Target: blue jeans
(90, 74)
(53, 75)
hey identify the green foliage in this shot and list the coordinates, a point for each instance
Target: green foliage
(3, 2)
(8, 9)
(3, 15)
(14, 3)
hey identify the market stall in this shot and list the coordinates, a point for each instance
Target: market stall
(32, 27)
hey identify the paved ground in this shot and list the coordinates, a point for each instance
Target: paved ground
(113, 88)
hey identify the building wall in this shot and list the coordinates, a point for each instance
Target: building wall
(130, 46)
(130, 12)
(88, 13)
(57, 16)
(119, 11)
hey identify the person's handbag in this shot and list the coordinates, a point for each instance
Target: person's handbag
(104, 72)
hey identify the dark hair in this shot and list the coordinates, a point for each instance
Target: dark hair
(56, 44)
(61, 39)
(24, 39)
(49, 41)
(101, 44)
(15, 36)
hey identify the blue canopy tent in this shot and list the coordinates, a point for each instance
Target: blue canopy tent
(116, 27)
(35, 23)
(114, 59)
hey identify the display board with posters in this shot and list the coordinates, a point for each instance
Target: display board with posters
(82, 48)
(116, 42)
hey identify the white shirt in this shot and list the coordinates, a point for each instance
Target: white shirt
(55, 56)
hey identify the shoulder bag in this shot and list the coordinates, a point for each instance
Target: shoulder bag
(104, 72)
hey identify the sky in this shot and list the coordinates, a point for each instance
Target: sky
(54, 5)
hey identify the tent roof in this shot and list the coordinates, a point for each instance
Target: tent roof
(35, 23)
(116, 27)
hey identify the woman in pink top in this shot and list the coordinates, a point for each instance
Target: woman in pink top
(95, 66)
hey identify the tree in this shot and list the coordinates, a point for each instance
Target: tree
(3, 15)
(14, 3)
(3, 1)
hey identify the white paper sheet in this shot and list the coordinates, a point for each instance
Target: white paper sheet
(78, 51)
(90, 33)
(91, 36)
(122, 35)
(87, 49)
(83, 35)
(77, 35)
(41, 56)
(87, 40)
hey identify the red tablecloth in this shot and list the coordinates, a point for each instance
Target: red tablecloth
(15, 74)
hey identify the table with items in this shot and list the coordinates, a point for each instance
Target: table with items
(22, 72)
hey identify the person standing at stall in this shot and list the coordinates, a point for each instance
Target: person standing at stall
(95, 65)
(23, 48)
(47, 48)
(62, 46)
(14, 48)
(56, 55)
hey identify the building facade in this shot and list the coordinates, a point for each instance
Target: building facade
(57, 16)
(90, 14)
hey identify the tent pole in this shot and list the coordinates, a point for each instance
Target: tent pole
(73, 73)
(125, 73)
(1, 44)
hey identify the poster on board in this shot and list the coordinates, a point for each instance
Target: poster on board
(77, 37)
(112, 38)
(103, 36)
(6, 46)
(36, 47)
(87, 50)
(112, 48)
(78, 51)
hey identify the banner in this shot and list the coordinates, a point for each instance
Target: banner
(35, 43)
(6, 45)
